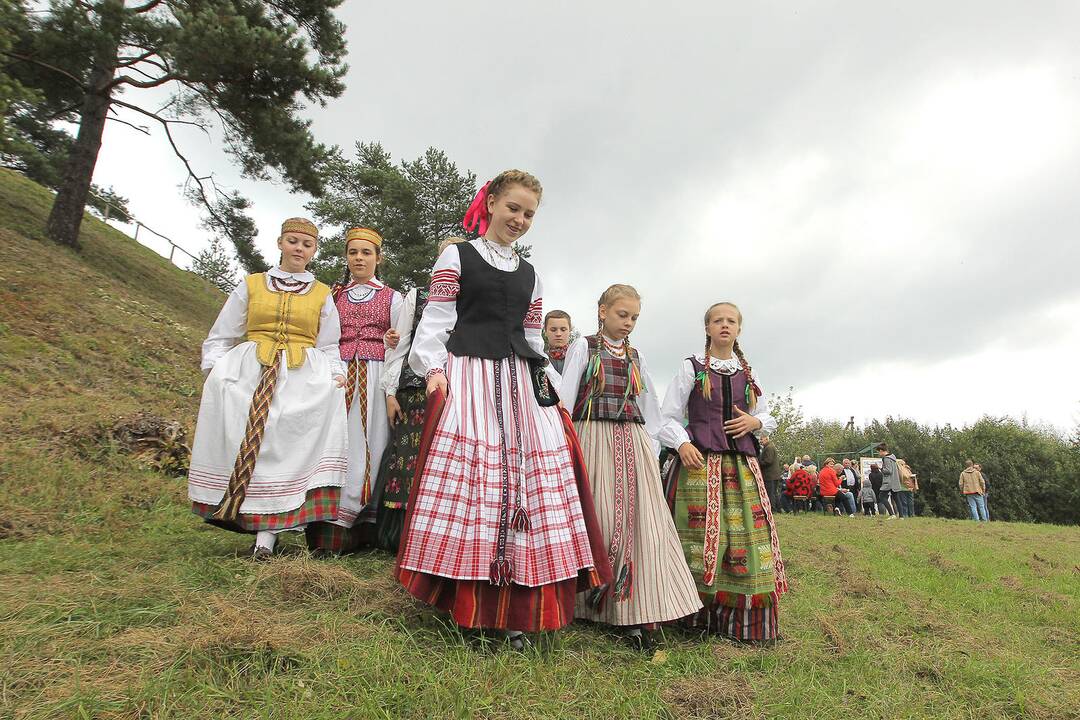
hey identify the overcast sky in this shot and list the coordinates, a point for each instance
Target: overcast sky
(890, 194)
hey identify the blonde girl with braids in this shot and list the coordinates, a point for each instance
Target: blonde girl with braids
(617, 416)
(368, 309)
(499, 529)
(715, 488)
(270, 442)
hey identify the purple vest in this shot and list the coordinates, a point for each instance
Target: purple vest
(707, 417)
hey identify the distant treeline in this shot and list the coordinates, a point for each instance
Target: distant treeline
(1033, 473)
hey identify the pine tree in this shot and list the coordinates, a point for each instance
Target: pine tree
(414, 205)
(240, 66)
(215, 266)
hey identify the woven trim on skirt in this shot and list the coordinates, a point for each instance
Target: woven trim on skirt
(337, 539)
(737, 623)
(320, 504)
(727, 530)
(479, 604)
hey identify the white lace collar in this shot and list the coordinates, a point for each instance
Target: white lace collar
(724, 367)
(362, 292)
(284, 275)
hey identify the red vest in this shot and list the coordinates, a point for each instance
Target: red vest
(364, 324)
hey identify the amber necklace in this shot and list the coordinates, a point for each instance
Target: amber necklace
(288, 285)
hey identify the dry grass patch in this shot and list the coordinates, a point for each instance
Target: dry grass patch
(717, 696)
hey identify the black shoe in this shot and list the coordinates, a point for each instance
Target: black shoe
(643, 641)
(519, 642)
(258, 553)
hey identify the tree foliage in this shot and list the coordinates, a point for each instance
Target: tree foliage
(215, 266)
(243, 68)
(414, 205)
(1034, 474)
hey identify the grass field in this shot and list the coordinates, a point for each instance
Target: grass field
(115, 602)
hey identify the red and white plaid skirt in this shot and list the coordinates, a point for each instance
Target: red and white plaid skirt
(495, 450)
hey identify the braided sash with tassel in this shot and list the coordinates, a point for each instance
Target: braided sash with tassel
(356, 384)
(227, 511)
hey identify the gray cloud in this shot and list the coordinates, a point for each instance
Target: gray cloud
(867, 182)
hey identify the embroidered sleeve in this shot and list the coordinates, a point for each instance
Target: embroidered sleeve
(445, 285)
(534, 319)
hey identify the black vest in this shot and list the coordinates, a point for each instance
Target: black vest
(491, 309)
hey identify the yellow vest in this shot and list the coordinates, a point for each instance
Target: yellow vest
(279, 321)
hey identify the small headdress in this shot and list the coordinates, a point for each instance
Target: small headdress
(363, 233)
(300, 225)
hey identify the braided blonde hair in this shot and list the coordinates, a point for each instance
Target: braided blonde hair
(706, 385)
(508, 178)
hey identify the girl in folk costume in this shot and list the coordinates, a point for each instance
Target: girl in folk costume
(270, 443)
(405, 392)
(617, 415)
(499, 530)
(368, 310)
(716, 489)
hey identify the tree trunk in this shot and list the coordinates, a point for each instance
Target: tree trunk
(67, 210)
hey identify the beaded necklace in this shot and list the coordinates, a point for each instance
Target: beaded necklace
(493, 251)
(288, 285)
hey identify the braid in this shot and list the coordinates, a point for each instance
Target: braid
(706, 381)
(634, 384)
(752, 389)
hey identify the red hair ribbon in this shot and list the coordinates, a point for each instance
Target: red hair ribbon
(477, 214)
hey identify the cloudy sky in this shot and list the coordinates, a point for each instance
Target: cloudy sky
(890, 194)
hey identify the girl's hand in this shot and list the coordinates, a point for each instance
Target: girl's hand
(741, 425)
(393, 410)
(339, 380)
(437, 381)
(691, 456)
(391, 338)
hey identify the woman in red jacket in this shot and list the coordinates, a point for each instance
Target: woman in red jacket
(831, 490)
(799, 487)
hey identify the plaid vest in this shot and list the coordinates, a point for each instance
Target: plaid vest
(611, 403)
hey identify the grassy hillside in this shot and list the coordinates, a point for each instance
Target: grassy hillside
(116, 603)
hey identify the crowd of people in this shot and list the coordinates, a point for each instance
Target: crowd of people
(516, 475)
(840, 489)
(888, 490)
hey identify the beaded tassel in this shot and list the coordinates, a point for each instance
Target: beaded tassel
(594, 377)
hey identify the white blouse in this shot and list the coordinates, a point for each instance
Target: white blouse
(673, 433)
(440, 315)
(230, 328)
(395, 358)
(577, 358)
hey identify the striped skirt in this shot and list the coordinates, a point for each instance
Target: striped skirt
(728, 537)
(652, 581)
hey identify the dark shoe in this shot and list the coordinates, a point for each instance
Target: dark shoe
(643, 642)
(260, 554)
(519, 642)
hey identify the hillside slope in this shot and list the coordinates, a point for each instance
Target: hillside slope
(115, 602)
